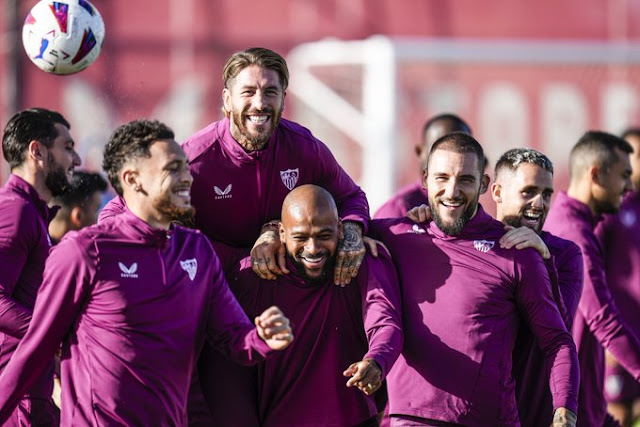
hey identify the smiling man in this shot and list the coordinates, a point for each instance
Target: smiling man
(133, 298)
(522, 191)
(463, 298)
(347, 338)
(41, 154)
(245, 164)
(600, 175)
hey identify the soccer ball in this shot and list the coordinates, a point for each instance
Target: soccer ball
(63, 37)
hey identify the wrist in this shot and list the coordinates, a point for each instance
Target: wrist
(273, 225)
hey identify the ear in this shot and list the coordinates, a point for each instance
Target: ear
(484, 185)
(496, 192)
(281, 232)
(226, 99)
(340, 230)
(76, 216)
(130, 178)
(595, 175)
(425, 173)
(36, 150)
(418, 150)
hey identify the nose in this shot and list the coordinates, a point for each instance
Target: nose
(187, 177)
(536, 202)
(311, 246)
(452, 189)
(77, 161)
(258, 100)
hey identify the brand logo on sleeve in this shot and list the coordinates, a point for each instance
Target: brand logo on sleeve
(222, 194)
(483, 246)
(190, 266)
(416, 229)
(290, 177)
(128, 272)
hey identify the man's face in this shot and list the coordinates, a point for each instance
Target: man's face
(61, 160)
(634, 158)
(311, 239)
(90, 210)
(612, 185)
(255, 100)
(523, 196)
(165, 179)
(454, 183)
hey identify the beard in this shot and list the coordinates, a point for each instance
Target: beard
(605, 207)
(327, 270)
(250, 141)
(184, 216)
(56, 179)
(455, 228)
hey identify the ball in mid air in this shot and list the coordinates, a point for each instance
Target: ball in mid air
(63, 37)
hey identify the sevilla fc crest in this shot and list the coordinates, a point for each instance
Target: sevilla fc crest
(290, 177)
(483, 245)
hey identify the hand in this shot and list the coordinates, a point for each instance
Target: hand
(350, 254)
(372, 244)
(273, 327)
(610, 360)
(524, 237)
(366, 375)
(421, 213)
(268, 254)
(563, 417)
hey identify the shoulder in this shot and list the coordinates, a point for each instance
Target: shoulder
(396, 226)
(560, 247)
(296, 131)
(201, 141)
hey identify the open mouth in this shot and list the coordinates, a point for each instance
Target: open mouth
(452, 205)
(531, 218)
(183, 193)
(258, 119)
(313, 262)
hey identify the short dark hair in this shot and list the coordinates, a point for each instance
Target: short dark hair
(83, 185)
(596, 147)
(130, 141)
(512, 159)
(460, 142)
(34, 124)
(456, 122)
(632, 131)
(259, 56)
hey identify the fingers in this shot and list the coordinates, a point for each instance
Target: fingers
(524, 237)
(274, 328)
(338, 271)
(372, 244)
(264, 255)
(421, 213)
(282, 250)
(365, 375)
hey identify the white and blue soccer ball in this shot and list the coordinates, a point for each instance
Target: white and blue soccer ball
(63, 37)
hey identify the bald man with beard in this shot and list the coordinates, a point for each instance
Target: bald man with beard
(347, 338)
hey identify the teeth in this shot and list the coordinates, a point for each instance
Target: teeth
(452, 205)
(532, 216)
(258, 120)
(183, 193)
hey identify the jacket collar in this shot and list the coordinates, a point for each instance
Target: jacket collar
(28, 192)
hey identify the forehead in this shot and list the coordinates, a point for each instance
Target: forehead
(166, 150)
(302, 218)
(529, 174)
(453, 163)
(63, 134)
(255, 75)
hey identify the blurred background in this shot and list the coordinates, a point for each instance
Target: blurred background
(365, 74)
